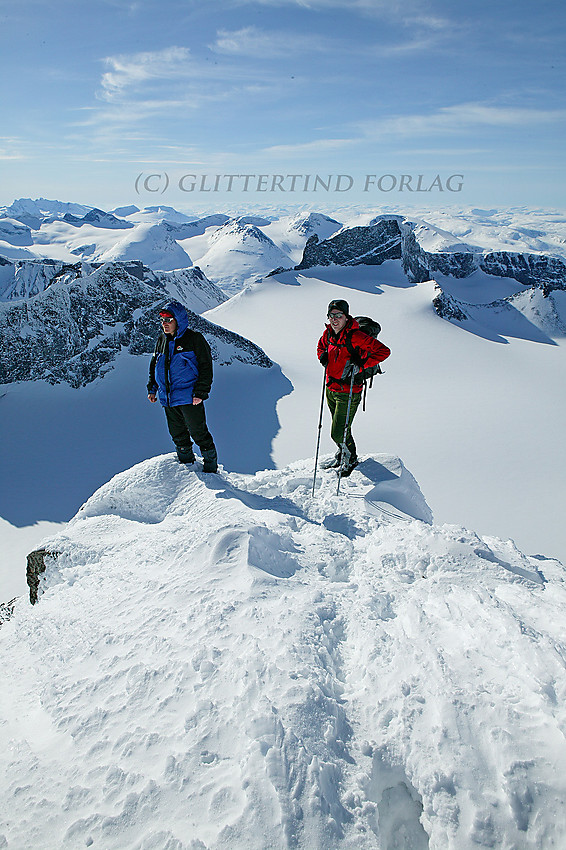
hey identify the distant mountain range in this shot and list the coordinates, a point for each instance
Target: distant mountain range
(72, 278)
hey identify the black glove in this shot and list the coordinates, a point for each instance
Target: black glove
(324, 358)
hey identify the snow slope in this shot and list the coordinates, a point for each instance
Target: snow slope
(14, 233)
(476, 409)
(226, 663)
(238, 254)
(32, 212)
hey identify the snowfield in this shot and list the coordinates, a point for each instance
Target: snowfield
(226, 662)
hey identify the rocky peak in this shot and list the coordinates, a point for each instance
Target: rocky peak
(391, 237)
(72, 329)
(370, 245)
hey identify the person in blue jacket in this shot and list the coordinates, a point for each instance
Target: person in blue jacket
(180, 375)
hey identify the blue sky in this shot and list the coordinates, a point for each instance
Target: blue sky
(120, 101)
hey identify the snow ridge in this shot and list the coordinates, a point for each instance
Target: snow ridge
(224, 662)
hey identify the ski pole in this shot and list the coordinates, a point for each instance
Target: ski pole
(343, 446)
(319, 428)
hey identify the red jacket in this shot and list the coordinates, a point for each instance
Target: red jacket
(338, 375)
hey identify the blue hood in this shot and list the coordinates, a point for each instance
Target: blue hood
(180, 315)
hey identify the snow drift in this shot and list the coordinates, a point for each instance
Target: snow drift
(226, 662)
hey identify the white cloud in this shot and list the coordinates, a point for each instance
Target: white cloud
(6, 154)
(459, 118)
(153, 88)
(320, 146)
(366, 5)
(12, 148)
(419, 44)
(409, 12)
(130, 70)
(257, 43)
(451, 120)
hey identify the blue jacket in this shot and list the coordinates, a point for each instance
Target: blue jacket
(181, 367)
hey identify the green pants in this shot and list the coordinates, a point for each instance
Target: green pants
(338, 406)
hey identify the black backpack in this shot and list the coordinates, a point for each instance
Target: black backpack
(371, 328)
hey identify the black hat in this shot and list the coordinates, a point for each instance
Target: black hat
(339, 304)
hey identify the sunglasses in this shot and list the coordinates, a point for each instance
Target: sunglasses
(166, 319)
(336, 315)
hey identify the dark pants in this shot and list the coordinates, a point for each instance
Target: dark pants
(338, 406)
(187, 423)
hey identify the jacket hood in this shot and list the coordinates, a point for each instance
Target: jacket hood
(180, 314)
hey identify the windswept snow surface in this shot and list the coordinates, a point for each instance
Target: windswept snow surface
(226, 663)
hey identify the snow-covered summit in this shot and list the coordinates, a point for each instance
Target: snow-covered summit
(32, 212)
(238, 254)
(222, 662)
(14, 232)
(314, 223)
(98, 218)
(197, 227)
(159, 213)
(290, 233)
(151, 244)
(123, 212)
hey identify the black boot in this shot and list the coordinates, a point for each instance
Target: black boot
(210, 460)
(185, 454)
(348, 466)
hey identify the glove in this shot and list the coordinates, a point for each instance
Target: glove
(349, 370)
(324, 358)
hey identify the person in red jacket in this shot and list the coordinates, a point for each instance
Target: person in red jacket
(336, 355)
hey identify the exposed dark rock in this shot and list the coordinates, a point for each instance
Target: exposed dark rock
(448, 308)
(35, 567)
(6, 610)
(84, 315)
(98, 218)
(420, 265)
(540, 270)
(370, 245)
(392, 238)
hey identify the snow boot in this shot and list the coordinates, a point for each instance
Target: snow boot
(333, 463)
(210, 461)
(185, 454)
(348, 466)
